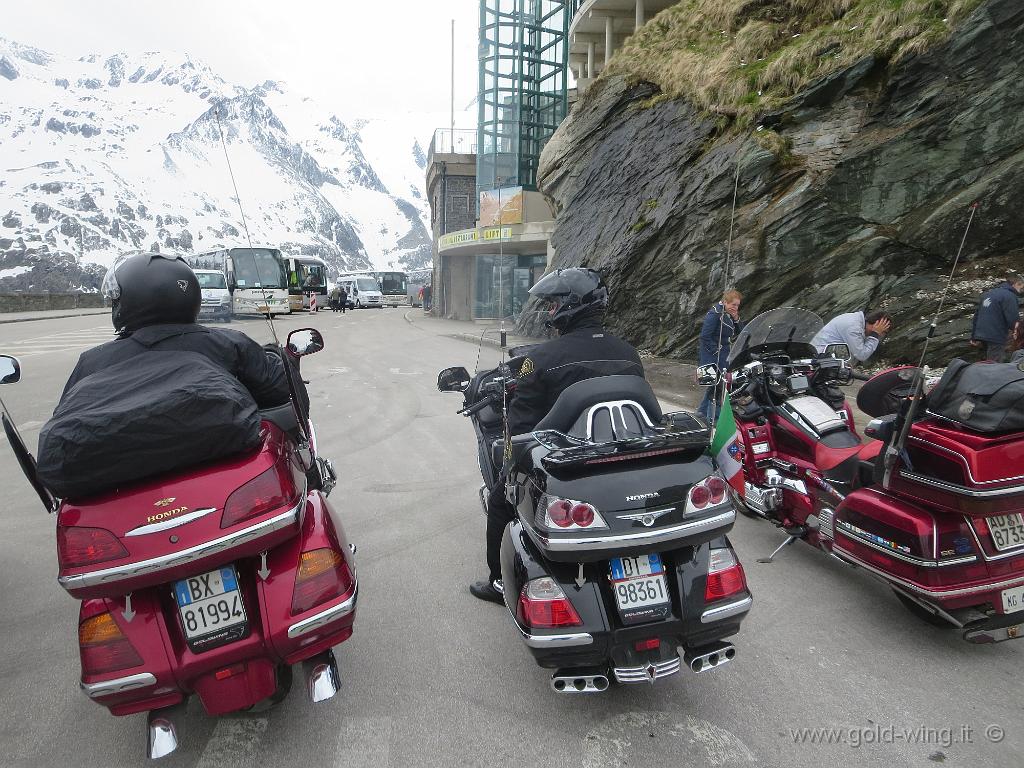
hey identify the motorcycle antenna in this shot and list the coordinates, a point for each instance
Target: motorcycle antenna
(917, 386)
(728, 262)
(245, 226)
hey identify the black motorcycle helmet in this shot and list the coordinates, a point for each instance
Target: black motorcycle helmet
(151, 289)
(571, 295)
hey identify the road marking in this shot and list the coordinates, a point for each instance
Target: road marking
(235, 743)
(363, 742)
(400, 372)
(619, 739)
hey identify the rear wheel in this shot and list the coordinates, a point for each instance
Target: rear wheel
(921, 612)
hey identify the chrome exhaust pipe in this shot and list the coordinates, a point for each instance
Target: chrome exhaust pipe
(705, 659)
(565, 681)
(322, 678)
(163, 736)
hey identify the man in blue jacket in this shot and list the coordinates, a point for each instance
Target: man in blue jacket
(997, 317)
(721, 324)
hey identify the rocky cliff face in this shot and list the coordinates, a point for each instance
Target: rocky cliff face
(855, 194)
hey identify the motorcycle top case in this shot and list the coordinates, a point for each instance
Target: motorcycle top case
(154, 413)
(984, 397)
(177, 525)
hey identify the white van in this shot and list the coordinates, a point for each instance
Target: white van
(216, 296)
(363, 291)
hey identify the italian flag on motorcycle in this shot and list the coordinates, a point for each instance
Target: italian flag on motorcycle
(725, 447)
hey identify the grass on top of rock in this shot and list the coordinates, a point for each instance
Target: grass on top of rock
(741, 58)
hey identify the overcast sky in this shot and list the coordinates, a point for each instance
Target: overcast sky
(364, 57)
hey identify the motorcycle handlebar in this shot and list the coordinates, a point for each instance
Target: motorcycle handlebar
(469, 410)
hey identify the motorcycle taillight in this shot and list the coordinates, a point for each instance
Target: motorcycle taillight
(103, 646)
(323, 575)
(725, 576)
(87, 546)
(274, 489)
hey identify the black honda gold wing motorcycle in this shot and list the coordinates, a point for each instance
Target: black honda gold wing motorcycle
(618, 562)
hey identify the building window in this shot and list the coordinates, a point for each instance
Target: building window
(503, 284)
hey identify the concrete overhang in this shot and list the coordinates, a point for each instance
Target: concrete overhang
(588, 25)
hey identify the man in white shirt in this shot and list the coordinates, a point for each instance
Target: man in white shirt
(861, 334)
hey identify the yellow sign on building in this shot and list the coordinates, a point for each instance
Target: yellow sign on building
(465, 237)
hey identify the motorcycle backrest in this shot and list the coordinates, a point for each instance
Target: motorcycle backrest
(575, 401)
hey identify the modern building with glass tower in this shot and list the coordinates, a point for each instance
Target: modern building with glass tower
(526, 48)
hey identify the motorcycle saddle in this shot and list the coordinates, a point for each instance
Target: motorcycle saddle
(577, 398)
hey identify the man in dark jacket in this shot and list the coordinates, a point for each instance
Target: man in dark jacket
(721, 324)
(155, 301)
(997, 316)
(575, 300)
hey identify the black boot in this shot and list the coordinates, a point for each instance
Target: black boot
(488, 590)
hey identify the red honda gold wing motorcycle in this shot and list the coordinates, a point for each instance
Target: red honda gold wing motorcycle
(213, 581)
(945, 531)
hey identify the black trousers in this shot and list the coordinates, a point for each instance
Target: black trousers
(499, 514)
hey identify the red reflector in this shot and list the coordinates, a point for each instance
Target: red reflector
(273, 489)
(651, 644)
(87, 546)
(722, 584)
(224, 674)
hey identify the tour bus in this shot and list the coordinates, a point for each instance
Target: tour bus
(256, 278)
(362, 288)
(306, 275)
(394, 286)
(417, 279)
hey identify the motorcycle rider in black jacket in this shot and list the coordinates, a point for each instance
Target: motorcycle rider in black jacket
(155, 300)
(575, 299)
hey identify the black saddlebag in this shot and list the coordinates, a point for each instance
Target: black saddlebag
(154, 413)
(985, 397)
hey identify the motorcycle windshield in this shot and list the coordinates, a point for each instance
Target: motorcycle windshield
(785, 331)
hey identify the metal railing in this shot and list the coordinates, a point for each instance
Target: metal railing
(448, 142)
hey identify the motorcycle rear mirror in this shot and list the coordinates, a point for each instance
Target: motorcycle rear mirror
(453, 380)
(708, 375)
(837, 351)
(305, 341)
(10, 369)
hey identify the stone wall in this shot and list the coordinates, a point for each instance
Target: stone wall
(34, 302)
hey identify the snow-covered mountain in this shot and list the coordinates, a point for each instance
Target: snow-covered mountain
(103, 154)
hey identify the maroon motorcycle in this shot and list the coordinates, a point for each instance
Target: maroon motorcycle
(940, 522)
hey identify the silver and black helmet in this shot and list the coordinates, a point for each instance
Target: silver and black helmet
(570, 295)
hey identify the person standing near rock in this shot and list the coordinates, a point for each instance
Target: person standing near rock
(860, 334)
(998, 317)
(721, 324)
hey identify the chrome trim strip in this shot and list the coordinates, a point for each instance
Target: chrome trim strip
(171, 522)
(966, 466)
(726, 611)
(565, 544)
(905, 558)
(325, 617)
(851, 558)
(961, 490)
(567, 640)
(118, 685)
(130, 570)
